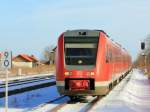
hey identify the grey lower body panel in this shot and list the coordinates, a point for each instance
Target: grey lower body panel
(103, 90)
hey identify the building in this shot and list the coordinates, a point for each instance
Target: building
(24, 60)
(52, 56)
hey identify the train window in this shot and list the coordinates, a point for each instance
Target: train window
(80, 54)
(80, 50)
(81, 39)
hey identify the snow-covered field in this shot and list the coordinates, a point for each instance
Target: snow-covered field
(29, 100)
(131, 95)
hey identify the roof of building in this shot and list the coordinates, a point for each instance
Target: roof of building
(31, 58)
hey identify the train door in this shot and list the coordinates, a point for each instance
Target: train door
(108, 61)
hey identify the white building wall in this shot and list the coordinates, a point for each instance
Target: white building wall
(22, 64)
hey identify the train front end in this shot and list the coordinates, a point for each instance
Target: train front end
(76, 62)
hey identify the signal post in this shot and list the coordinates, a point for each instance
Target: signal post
(6, 64)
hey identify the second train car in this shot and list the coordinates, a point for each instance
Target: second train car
(88, 62)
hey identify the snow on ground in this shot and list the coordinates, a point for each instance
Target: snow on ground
(131, 97)
(27, 101)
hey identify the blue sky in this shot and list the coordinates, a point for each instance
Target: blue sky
(28, 26)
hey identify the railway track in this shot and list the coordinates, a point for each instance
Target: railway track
(85, 105)
(24, 81)
(53, 101)
(58, 107)
(92, 103)
(26, 84)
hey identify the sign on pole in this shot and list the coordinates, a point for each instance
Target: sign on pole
(6, 63)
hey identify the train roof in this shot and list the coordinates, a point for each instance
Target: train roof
(89, 33)
(84, 32)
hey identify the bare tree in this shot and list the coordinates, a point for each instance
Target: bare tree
(49, 53)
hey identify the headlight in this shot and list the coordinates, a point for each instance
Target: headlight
(92, 73)
(68, 73)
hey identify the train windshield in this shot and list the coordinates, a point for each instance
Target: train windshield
(81, 52)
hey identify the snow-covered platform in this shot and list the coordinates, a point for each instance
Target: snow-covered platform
(131, 95)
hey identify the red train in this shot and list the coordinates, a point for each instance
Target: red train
(88, 62)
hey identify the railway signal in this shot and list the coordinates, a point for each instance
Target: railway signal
(143, 47)
(6, 63)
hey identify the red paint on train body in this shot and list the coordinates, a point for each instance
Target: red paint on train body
(88, 62)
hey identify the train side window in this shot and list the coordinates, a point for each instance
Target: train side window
(110, 55)
(107, 54)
